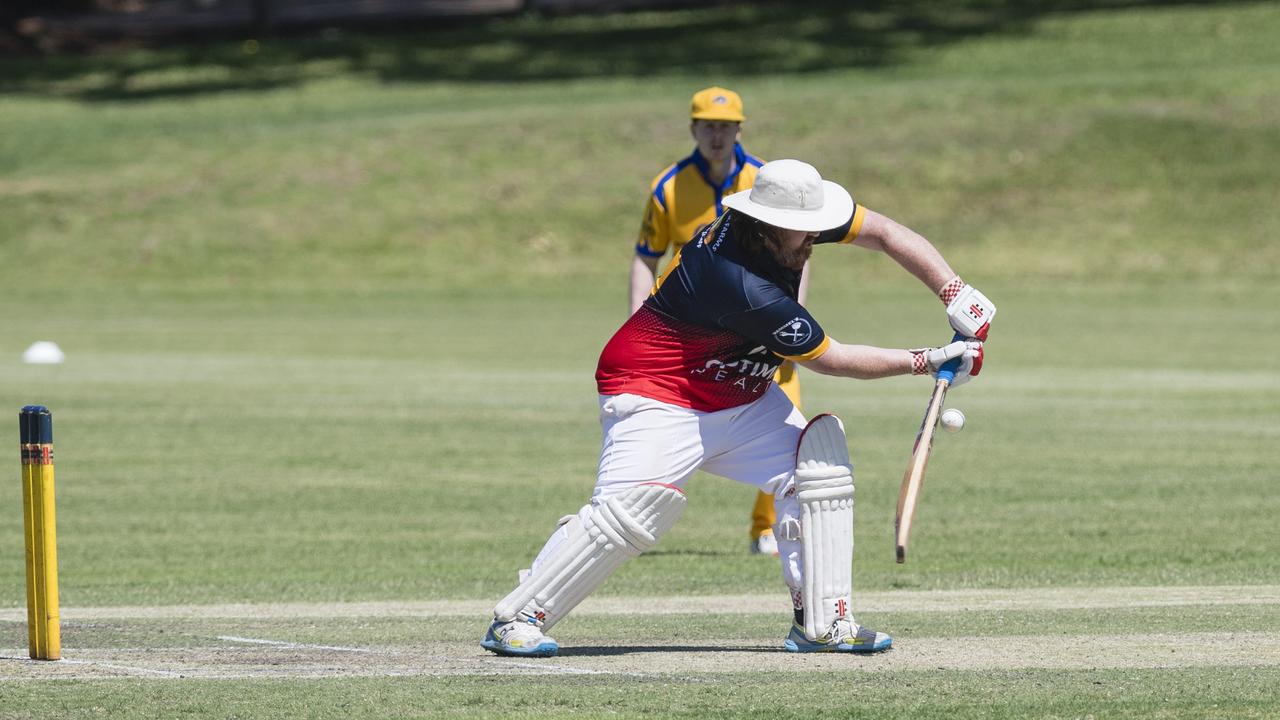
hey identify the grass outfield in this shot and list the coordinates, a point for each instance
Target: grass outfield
(325, 359)
(330, 449)
(285, 462)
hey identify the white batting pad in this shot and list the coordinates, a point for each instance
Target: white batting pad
(824, 489)
(596, 543)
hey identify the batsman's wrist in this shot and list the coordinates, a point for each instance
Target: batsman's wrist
(951, 289)
(919, 364)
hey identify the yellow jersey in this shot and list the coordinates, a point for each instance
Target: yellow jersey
(682, 199)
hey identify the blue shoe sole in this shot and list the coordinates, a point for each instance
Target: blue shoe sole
(546, 649)
(807, 647)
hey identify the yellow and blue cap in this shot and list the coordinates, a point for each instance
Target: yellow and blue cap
(717, 103)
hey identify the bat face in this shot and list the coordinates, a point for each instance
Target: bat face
(913, 478)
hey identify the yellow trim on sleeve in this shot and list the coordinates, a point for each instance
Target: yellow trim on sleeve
(675, 260)
(859, 214)
(822, 347)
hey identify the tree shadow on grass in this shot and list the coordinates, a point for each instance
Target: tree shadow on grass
(722, 40)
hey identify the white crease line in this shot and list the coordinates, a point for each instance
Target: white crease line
(126, 668)
(541, 668)
(285, 644)
(564, 670)
(544, 668)
(113, 666)
(561, 670)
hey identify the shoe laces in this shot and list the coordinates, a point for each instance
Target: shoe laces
(843, 629)
(521, 629)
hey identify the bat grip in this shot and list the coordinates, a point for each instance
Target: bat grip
(948, 370)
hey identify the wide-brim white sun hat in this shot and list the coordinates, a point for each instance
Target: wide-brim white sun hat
(792, 195)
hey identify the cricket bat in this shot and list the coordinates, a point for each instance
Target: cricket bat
(913, 478)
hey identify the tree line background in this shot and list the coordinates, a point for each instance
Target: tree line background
(57, 25)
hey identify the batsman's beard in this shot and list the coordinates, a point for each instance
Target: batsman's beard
(792, 258)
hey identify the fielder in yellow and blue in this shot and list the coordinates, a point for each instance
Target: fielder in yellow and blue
(686, 196)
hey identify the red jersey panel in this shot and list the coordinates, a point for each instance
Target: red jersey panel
(660, 357)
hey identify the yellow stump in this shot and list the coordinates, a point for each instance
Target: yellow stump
(43, 627)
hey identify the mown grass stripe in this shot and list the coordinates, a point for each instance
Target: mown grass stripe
(878, 602)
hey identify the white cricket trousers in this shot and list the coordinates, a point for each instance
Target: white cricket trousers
(649, 441)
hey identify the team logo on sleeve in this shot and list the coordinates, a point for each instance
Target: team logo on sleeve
(794, 332)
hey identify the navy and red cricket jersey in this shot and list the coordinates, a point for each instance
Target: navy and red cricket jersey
(718, 326)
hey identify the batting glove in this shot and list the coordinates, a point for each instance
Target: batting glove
(929, 360)
(969, 311)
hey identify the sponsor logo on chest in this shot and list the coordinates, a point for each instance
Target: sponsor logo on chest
(751, 374)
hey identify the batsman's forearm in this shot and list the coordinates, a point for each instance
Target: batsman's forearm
(863, 362)
(908, 248)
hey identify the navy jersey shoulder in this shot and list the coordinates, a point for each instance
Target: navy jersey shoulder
(718, 283)
(836, 234)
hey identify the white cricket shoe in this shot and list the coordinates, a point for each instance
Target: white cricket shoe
(845, 636)
(766, 544)
(519, 638)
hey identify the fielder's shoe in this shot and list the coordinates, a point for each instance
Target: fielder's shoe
(845, 636)
(766, 544)
(518, 638)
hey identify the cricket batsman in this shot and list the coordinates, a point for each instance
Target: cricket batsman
(687, 384)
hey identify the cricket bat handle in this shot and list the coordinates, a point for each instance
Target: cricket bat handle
(948, 370)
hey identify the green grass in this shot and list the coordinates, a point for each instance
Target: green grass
(331, 313)
(320, 449)
(270, 448)
(1225, 693)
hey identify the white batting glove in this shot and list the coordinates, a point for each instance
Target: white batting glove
(969, 311)
(929, 360)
